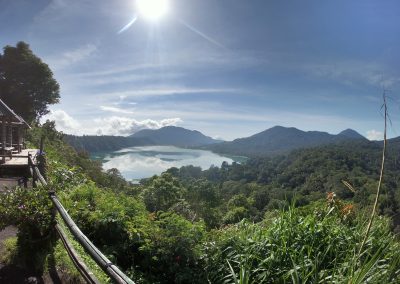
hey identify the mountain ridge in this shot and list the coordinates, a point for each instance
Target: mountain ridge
(279, 139)
(175, 136)
(274, 140)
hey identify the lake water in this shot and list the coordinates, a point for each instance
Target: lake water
(136, 163)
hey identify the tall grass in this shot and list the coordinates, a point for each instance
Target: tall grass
(303, 246)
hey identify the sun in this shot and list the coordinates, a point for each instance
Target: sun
(152, 9)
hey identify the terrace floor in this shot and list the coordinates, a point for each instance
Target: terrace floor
(19, 159)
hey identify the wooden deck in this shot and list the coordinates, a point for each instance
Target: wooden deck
(20, 159)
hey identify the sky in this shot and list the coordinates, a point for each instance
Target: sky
(228, 68)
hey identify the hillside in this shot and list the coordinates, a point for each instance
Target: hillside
(278, 140)
(169, 135)
(175, 136)
(194, 226)
(92, 143)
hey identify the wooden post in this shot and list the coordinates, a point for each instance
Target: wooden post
(41, 159)
(10, 131)
(33, 172)
(18, 139)
(41, 145)
(3, 138)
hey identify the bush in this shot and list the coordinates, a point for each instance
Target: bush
(31, 211)
(294, 247)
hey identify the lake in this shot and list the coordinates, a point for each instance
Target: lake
(136, 163)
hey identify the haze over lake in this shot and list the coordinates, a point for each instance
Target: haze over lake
(141, 162)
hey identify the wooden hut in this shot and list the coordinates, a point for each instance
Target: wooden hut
(12, 132)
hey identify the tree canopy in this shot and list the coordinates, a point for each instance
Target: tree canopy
(26, 82)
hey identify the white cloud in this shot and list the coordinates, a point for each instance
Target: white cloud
(352, 72)
(217, 137)
(112, 70)
(72, 56)
(64, 122)
(116, 109)
(127, 78)
(114, 125)
(374, 135)
(80, 53)
(126, 126)
(167, 92)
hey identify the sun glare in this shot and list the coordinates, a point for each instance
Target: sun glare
(152, 9)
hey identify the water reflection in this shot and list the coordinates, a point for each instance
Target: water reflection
(140, 162)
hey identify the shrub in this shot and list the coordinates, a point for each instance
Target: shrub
(314, 247)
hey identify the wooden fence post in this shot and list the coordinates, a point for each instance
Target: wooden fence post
(42, 159)
(41, 144)
(31, 168)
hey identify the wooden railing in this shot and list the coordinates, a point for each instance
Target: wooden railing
(102, 261)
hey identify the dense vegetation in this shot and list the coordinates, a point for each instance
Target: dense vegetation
(280, 140)
(103, 143)
(284, 219)
(27, 85)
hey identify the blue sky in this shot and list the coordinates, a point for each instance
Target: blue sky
(228, 68)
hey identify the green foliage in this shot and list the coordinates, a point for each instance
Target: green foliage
(60, 260)
(305, 175)
(162, 192)
(113, 221)
(163, 246)
(26, 83)
(186, 226)
(174, 249)
(204, 200)
(30, 211)
(10, 251)
(298, 247)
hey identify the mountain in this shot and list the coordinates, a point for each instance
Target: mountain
(103, 143)
(350, 133)
(276, 140)
(176, 136)
(279, 139)
(169, 135)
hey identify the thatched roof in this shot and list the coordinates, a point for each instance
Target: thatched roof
(6, 111)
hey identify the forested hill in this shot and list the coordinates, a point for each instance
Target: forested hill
(272, 182)
(278, 140)
(169, 135)
(92, 143)
(176, 136)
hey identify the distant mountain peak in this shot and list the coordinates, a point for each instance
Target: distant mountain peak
(280, 139)
(350, 133)
(175, 136)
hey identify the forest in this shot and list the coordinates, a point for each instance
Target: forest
(284, 219)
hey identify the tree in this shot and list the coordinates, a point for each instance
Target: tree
(26, 83)
(163, 192)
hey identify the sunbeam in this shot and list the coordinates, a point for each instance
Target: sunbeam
(206, 37)
(128, 25)
(152, 10)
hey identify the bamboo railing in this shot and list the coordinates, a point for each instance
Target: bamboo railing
(102, 261)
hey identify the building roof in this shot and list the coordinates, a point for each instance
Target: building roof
(5, 110)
